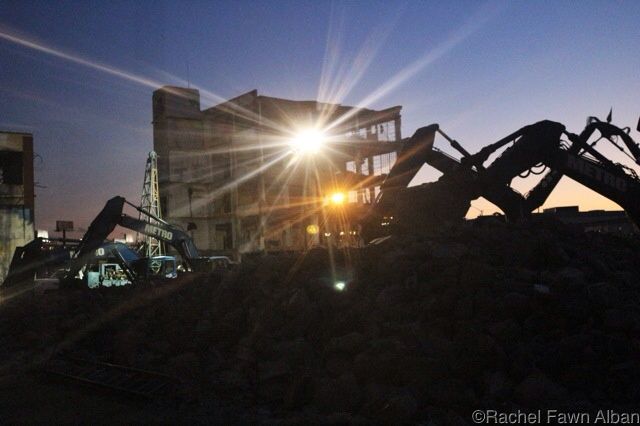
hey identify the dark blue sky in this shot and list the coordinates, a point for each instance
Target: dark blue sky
(481, 70)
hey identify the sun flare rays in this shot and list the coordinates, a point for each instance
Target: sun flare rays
(286, 146)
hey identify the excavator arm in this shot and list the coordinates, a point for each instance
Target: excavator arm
(427, 205)
(171, 235)
(541, 145)
(419, 150)
(112, 215)
(579, 144)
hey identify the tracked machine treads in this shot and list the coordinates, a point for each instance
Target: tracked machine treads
(542, 145)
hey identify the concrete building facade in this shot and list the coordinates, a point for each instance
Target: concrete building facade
(229, 175)
(17, 199)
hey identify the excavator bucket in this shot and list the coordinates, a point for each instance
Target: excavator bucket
(411, 157)
(409, 161)
(98, 231)
(102, 225)
(428, 207)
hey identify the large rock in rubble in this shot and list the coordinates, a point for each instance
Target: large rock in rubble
(426, 328)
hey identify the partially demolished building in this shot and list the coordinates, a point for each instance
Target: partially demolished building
(17, 199)
(229, 175)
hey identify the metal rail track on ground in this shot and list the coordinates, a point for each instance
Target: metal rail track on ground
(133, 381)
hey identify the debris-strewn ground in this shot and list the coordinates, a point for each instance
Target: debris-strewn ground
(425, 330)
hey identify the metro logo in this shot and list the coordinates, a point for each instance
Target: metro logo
(154, 231)
(588, 169)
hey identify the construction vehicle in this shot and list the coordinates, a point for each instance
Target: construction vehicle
(39, 259)
(124, 267)
(112, 265)
(96, 262)
(422, 208)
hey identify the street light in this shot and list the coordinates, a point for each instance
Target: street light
(337, 198)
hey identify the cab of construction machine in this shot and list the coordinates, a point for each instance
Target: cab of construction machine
(156, 267)
(115, 264)
(109, 266)
(106, 275)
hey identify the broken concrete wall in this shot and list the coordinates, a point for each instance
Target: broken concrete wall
(16, 195)
(16, 229)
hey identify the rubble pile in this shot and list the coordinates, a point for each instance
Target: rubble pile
(431, 328)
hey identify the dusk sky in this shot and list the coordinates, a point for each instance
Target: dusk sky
(79, 75)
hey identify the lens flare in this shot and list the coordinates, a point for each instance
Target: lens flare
(337, 198)
(308, 141)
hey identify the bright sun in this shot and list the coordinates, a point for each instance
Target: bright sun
(307, 141)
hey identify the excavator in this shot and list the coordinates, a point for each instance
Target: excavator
(97, 263)
(546, 145)
(92, 244)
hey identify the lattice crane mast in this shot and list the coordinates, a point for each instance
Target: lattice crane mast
(150, 202)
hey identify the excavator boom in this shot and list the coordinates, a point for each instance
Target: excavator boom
(541, 144)
(112, 215)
